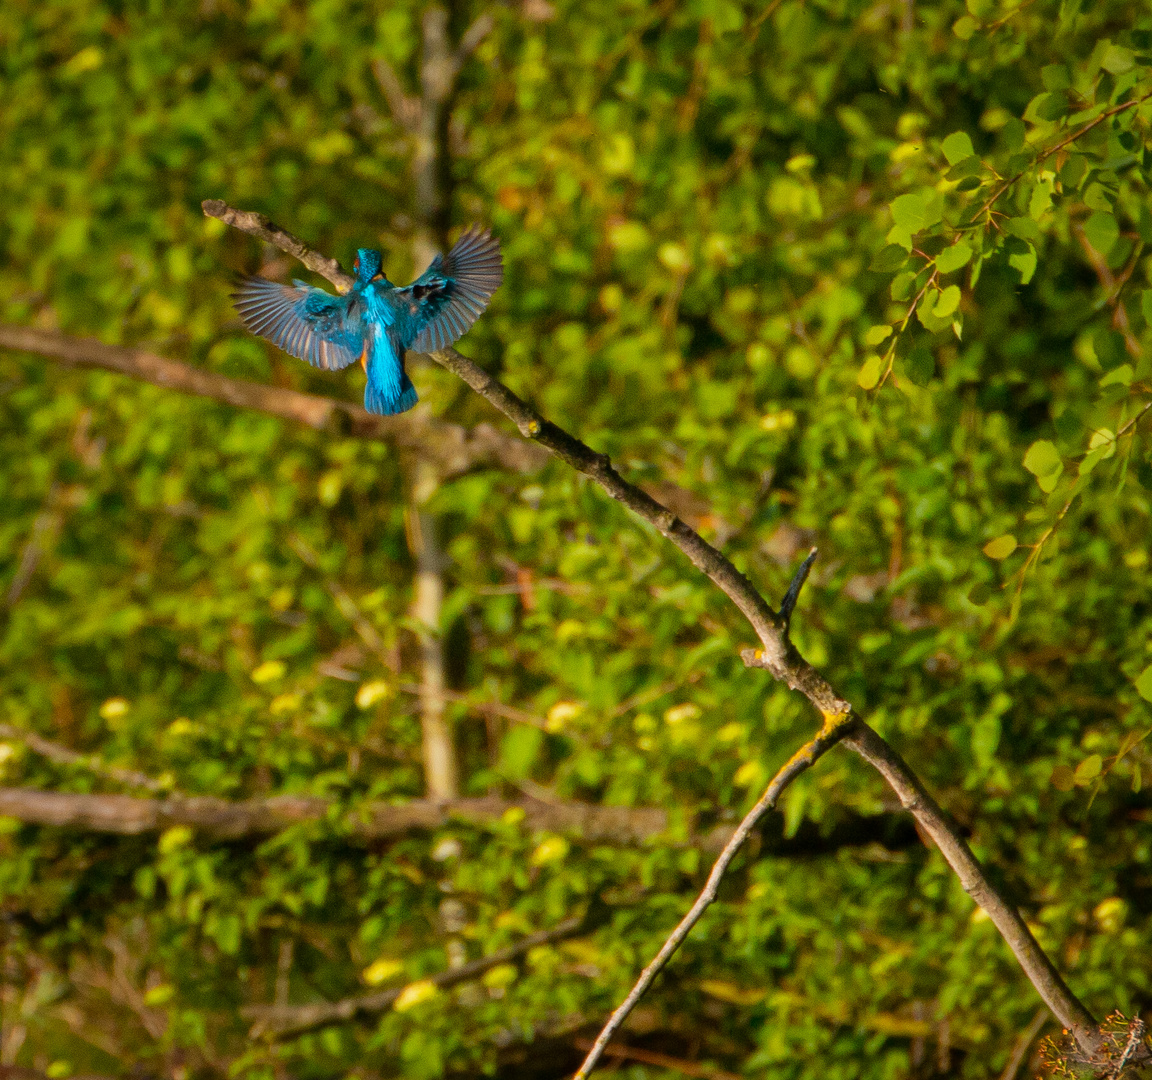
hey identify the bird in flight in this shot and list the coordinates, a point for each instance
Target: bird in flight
(375, 322)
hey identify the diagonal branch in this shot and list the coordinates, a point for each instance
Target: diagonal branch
(834, 729)
(454, 449)
(64, 755)
(259, 226)
(279, 1021)
(778, 655)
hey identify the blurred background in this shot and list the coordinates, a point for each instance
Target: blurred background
(201, 599)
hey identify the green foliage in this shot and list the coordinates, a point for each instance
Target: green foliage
(719, 220)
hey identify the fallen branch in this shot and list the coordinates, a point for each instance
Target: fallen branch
(454, 449)
(220, 819)
(127, 815)
(278, 1021)
(779, 656)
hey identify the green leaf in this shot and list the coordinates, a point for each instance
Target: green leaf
(1073, 171)
(901, 287)
(869, 374)
(1144, 683)
(1025, 262)
(1042, 458)
(1102, 232)
(954, 257)
(957, 147)
(1146, 305)
(917, 211)
(1123, 375)
(1050, 106)
(877, 334)
(962, 170)
(1088, 770)
(1023, 227)
(888, 259)
(1001, 547)
(1117, 60)
(980, 594)
(1056, 77)
(949, 301)
(964, 27)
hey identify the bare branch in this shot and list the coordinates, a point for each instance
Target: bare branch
(127, 815)
(214, 818)
(788, 604)
(62, 755)
(454, 449)
(281, 1020)
(259, 226)
(472, 37)
(663, 1061)
(405, 107)
(1040, 970)
(1020, 1050)
(781, 659)
(835, 728)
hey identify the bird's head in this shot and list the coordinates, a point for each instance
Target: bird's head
(367, 265)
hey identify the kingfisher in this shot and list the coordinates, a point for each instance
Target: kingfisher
(375, 322)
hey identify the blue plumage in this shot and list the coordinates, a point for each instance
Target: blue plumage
(375, 322)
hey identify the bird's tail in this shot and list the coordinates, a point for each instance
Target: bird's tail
(385, 401)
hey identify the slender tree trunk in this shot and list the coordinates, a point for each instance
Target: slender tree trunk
(441, 775)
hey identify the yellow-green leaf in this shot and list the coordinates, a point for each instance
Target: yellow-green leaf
(1088, 770)
(954, 257)
(949, 301)
(877, 334)
(1001, 547)
(381, 970)
(957, 147)
(869, 374)
(1144, 683)
(1042, 458)
(415, 994)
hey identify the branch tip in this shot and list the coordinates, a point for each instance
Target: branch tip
(793, 593)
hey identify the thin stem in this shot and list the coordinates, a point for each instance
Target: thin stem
(835, 728)
(1057, 148)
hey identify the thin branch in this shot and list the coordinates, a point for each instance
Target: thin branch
(663, 1061)
(261, 227)
(1041, 972)
(788, 604)
(1055, 148)
(454, 449)
(781, 659)
(63, 755)
(473, 36)
(278, 1021)
(405, 107)
(835, 728)
(1026, 1039)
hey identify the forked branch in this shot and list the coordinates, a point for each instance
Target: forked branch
(781, 659)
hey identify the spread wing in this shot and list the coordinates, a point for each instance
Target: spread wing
(451, 294)
(308, 323)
